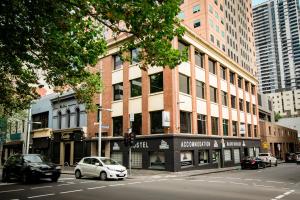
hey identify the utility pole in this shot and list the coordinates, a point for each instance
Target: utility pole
(28, 130)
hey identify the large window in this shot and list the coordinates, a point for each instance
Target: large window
(136, 87)
(117, 61)
(59, 118)
(156, 83)
(118, 91)
(117, 126)
(184, 84)
(247, 86)
(214, 126)
(234, 128)
(249, 130)
(212, 66)
(255, 130)
(225, 127)
(203, 157)
(137, 124)
(233, 101)
(68, 119)
(248, 106)
(254, 109)
(43, 118)
(200, 89)
(213, 94)
(198, 59)
(157, 160)
(241, 104)
(232, 77)
(224, 98)
(156, 122)
(77, 110)
(240, 83)
(196, 8)
(185, 122)
(182, 46)
(201, 119)
(134, 56)
(223, 73)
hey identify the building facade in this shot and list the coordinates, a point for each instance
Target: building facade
(225, 24)
(277, 41)
(201, 114)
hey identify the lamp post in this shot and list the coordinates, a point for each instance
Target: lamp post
(100, 127)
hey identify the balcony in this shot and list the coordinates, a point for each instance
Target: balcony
(15, 137)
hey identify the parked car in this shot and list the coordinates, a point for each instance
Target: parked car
(252, 163)
(102, 167)
(268, 158)
(298, 159)
(290, 157)
(28, 167)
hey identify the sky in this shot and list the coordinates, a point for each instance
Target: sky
(255, 2)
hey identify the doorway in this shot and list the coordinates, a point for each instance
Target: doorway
(67, 154)
(216, 157)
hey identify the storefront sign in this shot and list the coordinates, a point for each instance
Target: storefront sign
(233, 143)
(166, 119)
(65, 136)
(216, 145)
(163, 145)
(186, 144)
(141, 145)
(116, 147)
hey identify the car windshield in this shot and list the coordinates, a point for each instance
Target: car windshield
(108, 161)
(33, 158)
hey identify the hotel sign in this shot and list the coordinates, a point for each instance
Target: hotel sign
(191, 144)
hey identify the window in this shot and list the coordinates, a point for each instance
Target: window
(213, 94)
(118, 91)
(247, 86)
(212, 66)
(137, 124)
(186, 158)
(210, 8)
(68, 119)
(157, 160)
(77, 117)
(156, 82)
(224, 98)
(212, 39)
(156, 122)
(233, 101)
(182, 46)
(240, 84)
(42, 118)
(200, 89)
(232, 79)
(234, 128)
(185, 122)
(241, 104)
(198, 59)
(59, 119)
(134, 56)
(249, 130)
(227, 155)
(117, 126)
(225, 127)
(216, 2)
(136, 87)
(254, 109)
(248, 106)
(253, 89)
(203, 157)
(223, 73)
(184, 84)
(117, 61)
(197, 23)
(214, 126)
(201, 122)
(255, 130)
(181, 15)
(242, 129)
(196, 8)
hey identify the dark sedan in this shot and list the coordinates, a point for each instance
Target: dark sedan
(252, 163)
(29, 167)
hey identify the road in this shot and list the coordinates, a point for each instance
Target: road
(282, 182)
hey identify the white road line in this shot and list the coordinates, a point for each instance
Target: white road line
(279, 197)
(162, 179)
(274, 182)
(149, 181)
(99, 187)
(238, 183)
(216, 177)
(198, 180)
(248, 179)
(265, 186)
(120, 184)
(34, 188)
(70, 183)
(70, 191)
(216, 181)
(1, 184)
(133, 183)
(43, 195)
(6, 191)
(87, 181)
(66, 179)
(233, 178)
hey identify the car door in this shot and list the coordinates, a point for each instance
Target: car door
(18, 165)
(84, 166)
(96, 167)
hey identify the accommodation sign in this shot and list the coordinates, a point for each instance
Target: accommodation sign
(189, 143)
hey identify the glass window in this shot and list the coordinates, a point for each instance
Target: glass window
(184, 84)
(227, 155)
(181, 15)
(247, 86)
(254, 109)
(213, 94)
(232, 78)
(185, 122)
(59, 118)
(198, 59)
(77, 117)
(240, 84)
(186, 158)
(156, 82)
(225, 127)
(118, 91)
(197, 23)
(200, 89)
(223, 73)
(233, 101)
(137, 124)
(156, 122)
(255, 130)
(212, 38)
(157, 160)
(242, 129)
(248, 106)
(210, 8)
(203, 157)
(241, 104)
(201, 122)
(68, 119)
(117, 126)
(196, 8)
(249, 130)
(224, 98)
(136, 87)
(182, 46)
(252, 89)
(134, 56)
(117, 61)
(214, 126)
(234, 128)
(212, 66)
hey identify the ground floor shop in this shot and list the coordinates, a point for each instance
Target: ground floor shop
(11, 148)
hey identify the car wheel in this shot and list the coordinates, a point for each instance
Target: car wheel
(276, 163)
(78, 174)
(103, 176)
(263, 165)
(25, 178)
(270, 163)
(54, 179)
(5, 177)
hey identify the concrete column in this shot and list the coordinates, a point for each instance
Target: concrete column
(71, 153)
(194, 129)
(245, 108)
(107, 149)
(207, 94)
(145, 99)
(257, 111)
(219, 98)
(62, 154)
(94, 151)
(237, 104)
(126, 95)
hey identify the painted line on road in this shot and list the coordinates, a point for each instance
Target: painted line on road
(61, 179)
(236, 183)
(69, 183)
(178, 179)
(134, 183)
(279, 197)
(34, 188)
(234, 178)
(216, 177)
(42, 195)
(6, 191)
(114, 185)
(87, 181)
(198, 180)
(98, 187)
(71, 191)
(275, 182)
(265, 186)
(216, 181)
(3, 184)
(149, 181)
(162, 180)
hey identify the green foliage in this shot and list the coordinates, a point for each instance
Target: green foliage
(57, 40)
(277, 116)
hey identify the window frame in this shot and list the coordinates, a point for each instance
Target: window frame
(132, 89)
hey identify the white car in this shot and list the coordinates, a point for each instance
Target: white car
(102, 167)
(268, 158)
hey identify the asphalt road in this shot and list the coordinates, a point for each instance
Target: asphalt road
(282, 182)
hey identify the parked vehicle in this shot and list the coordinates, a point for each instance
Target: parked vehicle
(102, 167)
(298, 159)
(252, 163)
(28, 167)
(268, 158)
(290, 157)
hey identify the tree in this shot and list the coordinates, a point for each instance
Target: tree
(57, 40)
(277, 116)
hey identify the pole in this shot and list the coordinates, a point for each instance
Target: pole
(100, 117)
(28, 130)
(129, 160)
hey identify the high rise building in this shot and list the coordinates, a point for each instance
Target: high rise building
(226, 24)
(277, 38)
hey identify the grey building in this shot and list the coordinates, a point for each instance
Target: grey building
(277, 42)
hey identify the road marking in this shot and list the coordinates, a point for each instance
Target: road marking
(265, 186)
(279, 197)
(70, 191)
(99, 187)
(198, 180)
(216, 177)
(34, 188)
(170, 176)
(178, 179)
(149, 181)
(238, 183)
(87, 181)
(274, 182)
(6, 191)
(66, 178)
(134, 183)
(69, 183)
(43, 195)
(162, 180)
(216, 181)
(249, 179)
(233, 178)
(120, 184)
(1, 184)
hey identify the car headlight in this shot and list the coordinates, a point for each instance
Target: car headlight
(35, 169)
(111, 169)
(58, 167)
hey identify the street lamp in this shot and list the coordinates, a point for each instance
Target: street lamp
(100, 128)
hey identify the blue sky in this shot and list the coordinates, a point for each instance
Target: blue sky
(255, 2)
